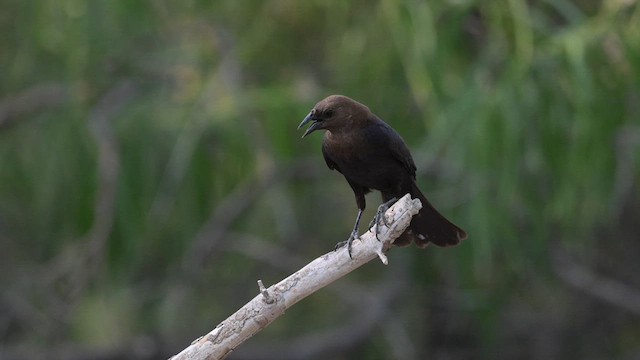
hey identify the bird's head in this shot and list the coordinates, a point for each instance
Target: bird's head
(333, 113)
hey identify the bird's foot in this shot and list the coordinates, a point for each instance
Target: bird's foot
(380, 218)
(354, 235)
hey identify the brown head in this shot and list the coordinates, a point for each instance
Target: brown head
(334, 113)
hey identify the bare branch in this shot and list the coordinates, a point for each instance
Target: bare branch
(211, 234)
(62, 279)
(39, 97)
(100, 124)
(257, 314)
(370, 307)
(599, 286)
(626, 148)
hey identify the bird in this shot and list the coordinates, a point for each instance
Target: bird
(371, 155)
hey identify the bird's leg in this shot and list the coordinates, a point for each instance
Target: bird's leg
(380, 215)
(354, 235)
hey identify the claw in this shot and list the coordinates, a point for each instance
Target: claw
(380, 215)
(354, 235)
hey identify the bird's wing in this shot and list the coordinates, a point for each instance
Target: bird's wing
(401, 152)
(327, 158)
(398, 148)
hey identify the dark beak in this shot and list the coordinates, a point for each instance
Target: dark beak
(315, 125)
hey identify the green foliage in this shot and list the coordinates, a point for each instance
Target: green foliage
(516, 113)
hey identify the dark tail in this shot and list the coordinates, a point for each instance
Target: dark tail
(430, 226)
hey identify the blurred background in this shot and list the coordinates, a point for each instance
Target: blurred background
(151, 172)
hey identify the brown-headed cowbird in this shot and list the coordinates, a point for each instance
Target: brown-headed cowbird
(371, 155)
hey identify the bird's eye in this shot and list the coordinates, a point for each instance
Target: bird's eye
(328, 113)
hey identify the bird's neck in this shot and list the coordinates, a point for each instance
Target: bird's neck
(341, 138)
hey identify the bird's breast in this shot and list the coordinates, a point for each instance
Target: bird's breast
(361, 161)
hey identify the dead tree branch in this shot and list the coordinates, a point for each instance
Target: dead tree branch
(603, 288)
(262, 310)
(39, 97)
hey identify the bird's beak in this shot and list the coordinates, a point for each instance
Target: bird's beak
(315, 125)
